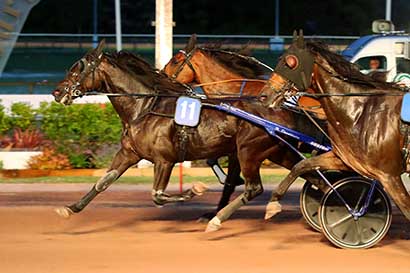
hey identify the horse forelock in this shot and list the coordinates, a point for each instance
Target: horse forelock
(235, 60)
(347, 69)
(144, 72)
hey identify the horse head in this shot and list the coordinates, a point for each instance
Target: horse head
(180, 67)
(81, 77)
(292, 73)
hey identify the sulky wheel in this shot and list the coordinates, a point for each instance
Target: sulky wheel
(340, 227)
(310, 198)
(311, 195)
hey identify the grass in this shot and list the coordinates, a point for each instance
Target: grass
(127, 179)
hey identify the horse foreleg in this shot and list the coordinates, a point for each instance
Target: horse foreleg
(162, 173)
(253, 188)
(326, 161)
(121, 162)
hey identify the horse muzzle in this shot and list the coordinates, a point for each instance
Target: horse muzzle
(62, 97)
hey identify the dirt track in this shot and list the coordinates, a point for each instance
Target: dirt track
(123, 232)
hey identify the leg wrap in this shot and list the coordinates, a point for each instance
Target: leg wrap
(106, 181)
(80, 205)
(227, 211)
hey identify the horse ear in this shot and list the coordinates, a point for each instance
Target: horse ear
(301, 41)
(191, 43)
(295, 36)
(98, 50)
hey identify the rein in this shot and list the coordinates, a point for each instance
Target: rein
(222, 97)
(363, 94)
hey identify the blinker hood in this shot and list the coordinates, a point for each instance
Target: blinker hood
(300, 71)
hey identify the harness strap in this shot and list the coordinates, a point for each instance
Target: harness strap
(230, 80)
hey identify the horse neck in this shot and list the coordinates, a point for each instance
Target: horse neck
(118, 82)
(208, 70)
(349, 109)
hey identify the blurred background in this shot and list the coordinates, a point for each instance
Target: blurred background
(57, 33)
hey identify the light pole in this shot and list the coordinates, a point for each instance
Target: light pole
(118, 24)
(276, 43)
(95, 23)
(388, 10)
(277, 18)
(163, 32)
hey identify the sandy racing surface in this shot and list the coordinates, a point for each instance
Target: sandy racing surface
(122, 231)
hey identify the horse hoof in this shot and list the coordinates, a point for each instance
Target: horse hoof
(213, 225)
(272, 209)
(199, 188)
(64, 212)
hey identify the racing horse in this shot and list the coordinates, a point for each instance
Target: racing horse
(150, 132)
(226, 71)
(219, 71)
(363, 117)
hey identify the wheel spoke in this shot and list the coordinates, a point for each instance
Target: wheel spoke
(358, 232)
(341, 221)
(362, 194)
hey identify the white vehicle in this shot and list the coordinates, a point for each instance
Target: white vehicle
(388, 50)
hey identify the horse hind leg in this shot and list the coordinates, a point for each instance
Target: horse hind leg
(121, 162)
(253, 188)
(326, 161)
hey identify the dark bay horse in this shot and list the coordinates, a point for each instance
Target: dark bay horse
(225, 70)
(363, 116)
(145, 102)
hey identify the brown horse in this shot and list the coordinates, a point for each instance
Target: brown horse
(145, 101)
(363, 116)
(225, 72)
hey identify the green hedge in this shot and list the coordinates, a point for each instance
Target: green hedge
(81, 131)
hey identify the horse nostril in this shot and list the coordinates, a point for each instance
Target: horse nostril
(56, 93)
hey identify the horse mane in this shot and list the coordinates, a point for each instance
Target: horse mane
(145, 72)
(235, 60)
(347, 69)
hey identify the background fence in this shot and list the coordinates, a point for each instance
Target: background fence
(39, 60)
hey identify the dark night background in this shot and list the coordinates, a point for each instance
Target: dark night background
(332, 17)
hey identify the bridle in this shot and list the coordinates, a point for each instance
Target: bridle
(187, 61)
(86, 69)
